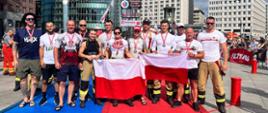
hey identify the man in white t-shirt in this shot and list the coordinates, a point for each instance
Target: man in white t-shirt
(195, 52)
(106, 36)
(213, 42)
(181, 32)
(163, 44)
(47, 61)
(148, 36)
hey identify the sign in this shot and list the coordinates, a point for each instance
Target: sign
(241, 56)
(124, 4)
(135, 3)
(129, 23)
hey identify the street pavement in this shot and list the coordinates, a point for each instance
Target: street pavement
(254, 91)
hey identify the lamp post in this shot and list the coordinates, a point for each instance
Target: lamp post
(65, 14)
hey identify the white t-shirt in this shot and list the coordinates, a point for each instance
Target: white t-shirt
(117, 48)
(69, 42)
(180, 38)
(194, 46)
(160, 46)
(146, 37)
(136, 46)
(47, 42)
(211, 44)
(104, 38)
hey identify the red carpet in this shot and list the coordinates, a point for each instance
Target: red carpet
(160, 107)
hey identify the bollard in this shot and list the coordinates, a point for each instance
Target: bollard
(236, 91)
(254, 65)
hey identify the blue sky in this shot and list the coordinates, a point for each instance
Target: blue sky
(202, 4)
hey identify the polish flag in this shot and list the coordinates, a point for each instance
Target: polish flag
(119, 78)
(166, 67)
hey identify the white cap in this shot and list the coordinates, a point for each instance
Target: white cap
(180, 25)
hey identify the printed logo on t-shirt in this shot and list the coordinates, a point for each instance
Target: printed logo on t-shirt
(30, 40)
(210, 39)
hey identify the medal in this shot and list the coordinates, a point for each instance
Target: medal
(30, 35)
(164, 39)
(71, 42)
(135, 45)
(51, 39)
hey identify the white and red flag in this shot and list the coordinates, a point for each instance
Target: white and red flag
(166, 67)
(119, 78)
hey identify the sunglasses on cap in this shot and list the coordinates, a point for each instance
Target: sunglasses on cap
(82, 25)
(117, 33)
(29, 19)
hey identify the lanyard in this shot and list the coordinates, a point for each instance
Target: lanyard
(164, 39)
(51, 39)
(30, 34)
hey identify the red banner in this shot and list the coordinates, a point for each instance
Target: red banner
(241, 56)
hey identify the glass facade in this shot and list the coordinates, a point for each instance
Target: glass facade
(90, 10)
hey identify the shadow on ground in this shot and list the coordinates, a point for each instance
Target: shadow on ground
(255, 91)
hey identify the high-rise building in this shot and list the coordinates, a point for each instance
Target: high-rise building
(154, 10)
(266, 20)
(199, 16)
(240, 16)
(11, 12)
(90, 10)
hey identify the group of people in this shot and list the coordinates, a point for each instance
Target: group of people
(259, 48)
(70, 55)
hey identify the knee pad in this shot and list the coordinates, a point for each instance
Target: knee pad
(84, 85)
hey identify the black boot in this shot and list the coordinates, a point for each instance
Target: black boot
(195, 106)
(221, 107)
(129, 103)
(115, 103)
(155, 98)
(186, 98)
(17, 86)
(150, 93)
(201, 97)
(82, 104)
(170, 100)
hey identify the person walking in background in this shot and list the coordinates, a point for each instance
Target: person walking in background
(8, 67)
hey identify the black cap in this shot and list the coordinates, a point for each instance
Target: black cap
(146, 21)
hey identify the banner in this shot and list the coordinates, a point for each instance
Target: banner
(166, 67)
(119, 78)
(241, 56)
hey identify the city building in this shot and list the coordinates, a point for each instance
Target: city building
(154, 10)
(266, 20)
(239, 16)
(90, 10)
(11, 12)
(199, 16)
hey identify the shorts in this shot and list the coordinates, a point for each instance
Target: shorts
(193, 74)
(48, 71)
(26, 67)
(70, 71)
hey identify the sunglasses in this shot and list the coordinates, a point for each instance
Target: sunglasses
(29, 19)
(83, 25)
(210, 23)
(117, 33)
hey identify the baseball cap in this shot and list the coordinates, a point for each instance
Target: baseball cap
(180, 25)
(137, 28)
